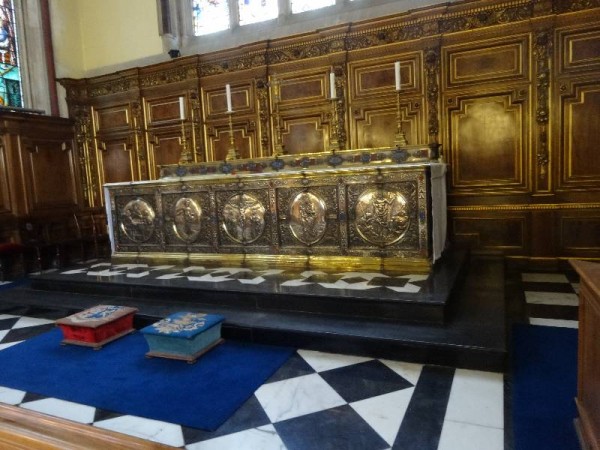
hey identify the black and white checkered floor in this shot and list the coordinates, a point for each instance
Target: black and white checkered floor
(331, 401)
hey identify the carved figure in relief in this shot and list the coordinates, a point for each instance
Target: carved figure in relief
(307, 218)
(137, 220)
(243, 218)
(382, 217)
(188, 216)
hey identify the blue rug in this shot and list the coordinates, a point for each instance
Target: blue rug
(544, 387)
(119, 378)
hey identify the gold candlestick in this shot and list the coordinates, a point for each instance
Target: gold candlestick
(232, 152)
(334, 142)
(278, 149)
(400, 139)
(185, 157)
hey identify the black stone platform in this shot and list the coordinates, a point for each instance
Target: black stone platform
(467, 330)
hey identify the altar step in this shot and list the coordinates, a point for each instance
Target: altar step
(473, 335)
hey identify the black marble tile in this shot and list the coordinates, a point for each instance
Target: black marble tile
(424, 417)
(332, 429)
(32, 397)
(360, 381)
(7, 324)
(563, 312)
(249, 415)
(295, 366)
(103, 414)
(548, 287)
(21, 334)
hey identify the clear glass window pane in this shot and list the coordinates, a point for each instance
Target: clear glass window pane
(252, 11)
(209, 16)
(10, 75)
(299, 6)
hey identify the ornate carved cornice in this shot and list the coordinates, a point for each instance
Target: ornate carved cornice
(168, 76)
(113, 87)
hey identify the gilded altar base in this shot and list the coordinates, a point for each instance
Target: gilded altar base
(344, 210)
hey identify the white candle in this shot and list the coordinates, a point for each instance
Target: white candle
(181, 108)
(397, 71)
(228, 92)
(332, 93)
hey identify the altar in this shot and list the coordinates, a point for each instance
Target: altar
(383, 209)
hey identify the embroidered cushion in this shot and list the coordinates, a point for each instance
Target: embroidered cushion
(183, 324)
(96, 316)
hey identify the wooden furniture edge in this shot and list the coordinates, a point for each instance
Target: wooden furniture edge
(24, 429)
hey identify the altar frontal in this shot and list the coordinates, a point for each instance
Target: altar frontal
(383, 208)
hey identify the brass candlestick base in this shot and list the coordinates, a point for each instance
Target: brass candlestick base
(232, 152)
(400, 138)
(185, 157)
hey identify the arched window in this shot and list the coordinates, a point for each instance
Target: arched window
(10, 73)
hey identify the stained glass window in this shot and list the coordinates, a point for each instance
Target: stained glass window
(10, 76)
(209, 16)
(252, 11)
(299, 6)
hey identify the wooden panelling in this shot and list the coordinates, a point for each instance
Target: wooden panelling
(487, 61)
(304, 89)
(579, 50)
(488, 141)
(579, 233)
(241, 100)
(580, 166)
(53, 183)
(219, 140)
(492, 233)
(113, 118)
(376, 127)
(5, 206)
(305, 135)
(160, 111)
(117, 162)
(164, 148)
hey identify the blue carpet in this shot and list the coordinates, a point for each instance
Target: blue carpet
(544, 387)
(119, 378)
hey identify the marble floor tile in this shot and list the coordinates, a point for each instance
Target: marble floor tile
(477, 398)
(408, 371)
(298, 396)
(321, 361)
(25, 322)
(261, 438)
(466, 436)
(554, 322)
(3, 333)
(544, 277)
(8, 344)
(63, 409)
(11, 396)
(154, 430)
(551, 298)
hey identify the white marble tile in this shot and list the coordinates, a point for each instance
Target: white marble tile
(576, 287)
(409, 371)
(408, 288)
(105, 273)
(163, 267)
(261, 438)
(3, 333)
(477, 398)
(296, 283)
(102, 264)
(25, 321)
(192, 268)
(11, 396)
(385, 413)
(296, 397)
(8, 316)
(551, 298)
(341, 284)
(130, 266)
(268, 272)
(63, 409)
(554, 322)
(416, 277)
(544, 278)
(170, 276)
(152, 430)
(208, 278)
(465, 436)
(74, 271)
(10, 344)
(310, 273)
(321, 361)
(4, 283)
(138, 275)
(253, 281)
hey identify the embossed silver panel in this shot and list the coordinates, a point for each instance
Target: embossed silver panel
(243, 218)
(188, 219)
(381, 216)
(307, 218)
(137, 220)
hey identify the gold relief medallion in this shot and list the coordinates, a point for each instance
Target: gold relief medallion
(307, 218)
(381, 216)
(188, 215)
(137, 220)
(243, 218)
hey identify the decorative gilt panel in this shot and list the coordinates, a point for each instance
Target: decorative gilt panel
(579, 50)
(219, 140)
(242, 102)
(376, 77)
(580, 167)
(489, 141)
(487, 61)
(305, 135)
(188, 223)
(137, 224)
(165, 148)
(377, 127)
(296, 89)
(112, 118)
